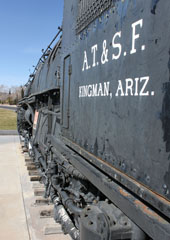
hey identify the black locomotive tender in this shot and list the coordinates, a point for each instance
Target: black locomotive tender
(96, 119)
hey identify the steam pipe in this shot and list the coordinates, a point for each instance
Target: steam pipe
(68, 202)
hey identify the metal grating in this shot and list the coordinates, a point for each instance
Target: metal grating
(89, 10)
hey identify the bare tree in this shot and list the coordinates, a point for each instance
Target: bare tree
(11, 95)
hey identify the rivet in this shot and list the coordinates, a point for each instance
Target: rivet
(147, 178)
(166, 190)
(123, 166)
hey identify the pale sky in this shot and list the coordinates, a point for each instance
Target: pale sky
(26, 27)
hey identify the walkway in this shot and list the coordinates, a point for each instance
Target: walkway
(13, 225)
(19, 216)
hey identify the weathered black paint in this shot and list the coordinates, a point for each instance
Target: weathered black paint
(124, 137)
(166, 128)
(166, 112)
(153, 6)
(126, 132)
(155, 226)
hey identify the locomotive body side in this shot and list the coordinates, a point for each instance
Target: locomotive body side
(118, 106)
(95, 119)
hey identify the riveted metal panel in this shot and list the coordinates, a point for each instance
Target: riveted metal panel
(127, 129)
(90, 10)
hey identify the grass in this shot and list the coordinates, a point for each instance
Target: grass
(8, 119)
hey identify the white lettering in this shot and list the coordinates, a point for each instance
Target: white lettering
(85, 63)
(132, 87)
(116, 45)
(89, 90)
(100, 91)
(136, 86)
(104, 57)
(93, 51)
(106, 88)
(94, 89)
(85, 90)
(80, 92)
(119, 89)
(134, 35)
(142, 93)
(129, 85)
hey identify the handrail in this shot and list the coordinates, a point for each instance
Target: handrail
(31, 77)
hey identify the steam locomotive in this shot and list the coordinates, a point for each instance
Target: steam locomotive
(95, 117)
